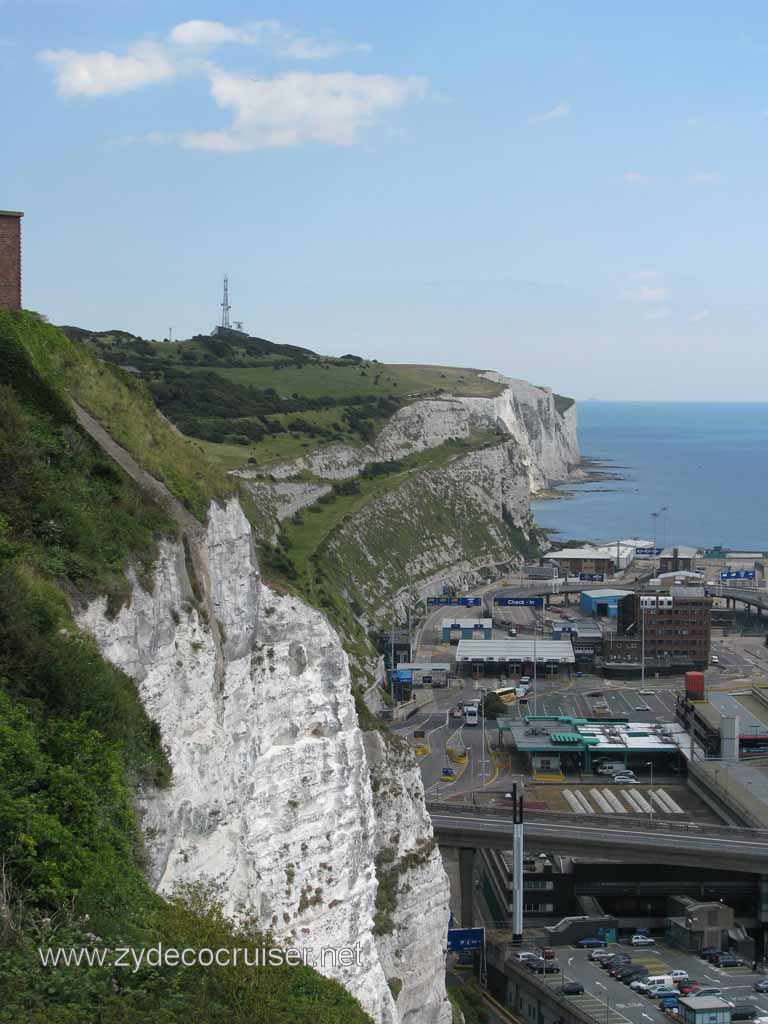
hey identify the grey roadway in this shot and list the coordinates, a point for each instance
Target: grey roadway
(636, 839)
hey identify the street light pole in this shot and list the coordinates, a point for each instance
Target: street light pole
(642, 640)
(650, 794)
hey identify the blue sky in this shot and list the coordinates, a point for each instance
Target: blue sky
(571, 193)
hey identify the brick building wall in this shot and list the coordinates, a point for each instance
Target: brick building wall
(10, 260)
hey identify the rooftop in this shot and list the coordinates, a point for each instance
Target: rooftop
(679, 551)
(10, 213)
(520, 649)
(540, 733)
(467, 623)
(579, 553)
(606, 592)
(703, 1003)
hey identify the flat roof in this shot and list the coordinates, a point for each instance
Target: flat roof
(537, 733)
(578, 553)
(606, 592)
(683, 551)
(704, 1002)
(468, 623)
(11, 213)
(729, 704)
(519, 649)
(425, 666)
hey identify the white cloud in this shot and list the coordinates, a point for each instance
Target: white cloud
(707, 178)
(646, 294)
(660, 313)
(634, 178)
(108, 74)
(559, 110)
(270, 35)
(300, 107)
(696, 318)
(645, 275)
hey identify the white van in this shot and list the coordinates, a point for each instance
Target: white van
(610, 768)
(659, 979)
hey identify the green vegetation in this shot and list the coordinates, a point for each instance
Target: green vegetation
(467, 999)
(75, 740)
(252, 400)
(43, 361)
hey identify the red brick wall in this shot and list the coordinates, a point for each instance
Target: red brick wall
(10, 262)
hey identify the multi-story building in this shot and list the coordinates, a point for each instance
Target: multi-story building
(673, 625)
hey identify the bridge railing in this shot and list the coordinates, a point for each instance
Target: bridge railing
(602, 821)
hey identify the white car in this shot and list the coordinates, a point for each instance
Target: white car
(645, 693)
(642, 940)
(678, 976)
(639, 986)
(625, 780)
(522, 957)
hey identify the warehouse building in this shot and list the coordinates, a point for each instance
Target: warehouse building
(571, 561)
(454, 630)
(602, 603)
(514, 657)
(677, 558)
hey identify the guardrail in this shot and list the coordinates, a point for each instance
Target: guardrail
(602, 821)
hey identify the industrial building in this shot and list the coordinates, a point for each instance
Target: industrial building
(602, 603)
(559, 742)
(674, 559)
(673, 625)
(571, 561)
(513, 657)
(454, 630)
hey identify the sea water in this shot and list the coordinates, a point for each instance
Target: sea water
(704, 463)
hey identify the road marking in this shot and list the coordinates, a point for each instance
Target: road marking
(647, 1017)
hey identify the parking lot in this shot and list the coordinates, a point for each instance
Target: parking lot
(609, 1000)
(657, 704)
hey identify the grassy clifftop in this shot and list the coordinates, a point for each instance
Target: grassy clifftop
(75, 739)
(249, 399)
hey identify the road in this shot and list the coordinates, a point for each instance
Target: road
(607, 999)
(663, 841)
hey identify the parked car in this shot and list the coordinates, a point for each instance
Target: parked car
(600, 954)
(743, 1011)
(640, 985)
(728, 960)
(642, 940)
(704, 991)
(592, 943)
(547, 967)
(628, 972)
(662, 991)
(612, 965)
(525, 955)
(625, 780)
(761, 986)
(547, 953)
(573, 988)
(668, 1003)
(707, 952)
(688, 988)
(642, 707)
(678, 976)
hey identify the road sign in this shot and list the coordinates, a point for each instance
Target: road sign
(460, 939)
(518, 602)
(647, 552)
(404, 675)
(464, 602)
(593, 577)
(738, 574)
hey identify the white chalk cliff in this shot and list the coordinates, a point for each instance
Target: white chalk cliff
(528, 415)
(271, 794)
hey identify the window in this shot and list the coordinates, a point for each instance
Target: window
(539, 884)
(539, 908)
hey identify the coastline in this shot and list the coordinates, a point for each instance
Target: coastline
(588, 471)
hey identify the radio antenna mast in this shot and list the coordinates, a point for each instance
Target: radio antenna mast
(225, 307)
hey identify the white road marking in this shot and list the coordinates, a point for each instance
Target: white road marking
(647, 1017)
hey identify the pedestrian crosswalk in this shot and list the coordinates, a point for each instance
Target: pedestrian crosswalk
(614, 800)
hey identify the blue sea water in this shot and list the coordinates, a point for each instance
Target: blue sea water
(707, 462)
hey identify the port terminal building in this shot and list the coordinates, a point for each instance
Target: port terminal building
(602, 603)
(514, 657)
(454, 630)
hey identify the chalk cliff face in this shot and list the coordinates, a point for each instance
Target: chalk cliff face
(545, 436)
(271, 793)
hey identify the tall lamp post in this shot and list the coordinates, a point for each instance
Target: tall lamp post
(642, 640)
(650, 794)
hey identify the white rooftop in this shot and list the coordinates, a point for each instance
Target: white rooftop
(682, 551)
(583, 553)
(606, 592)
(468, 623)
(520, 649)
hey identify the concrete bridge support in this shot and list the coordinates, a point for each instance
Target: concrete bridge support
(467, 883)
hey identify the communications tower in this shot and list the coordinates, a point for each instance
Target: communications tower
(225, 307)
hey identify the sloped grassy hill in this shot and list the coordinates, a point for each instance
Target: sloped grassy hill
(248, 399)
(74, 738)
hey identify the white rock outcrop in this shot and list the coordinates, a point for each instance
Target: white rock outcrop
(545, 436)
(271, 794)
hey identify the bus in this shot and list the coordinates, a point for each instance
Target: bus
(505, 693)
(471, 715)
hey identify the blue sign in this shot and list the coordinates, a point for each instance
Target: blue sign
(465, 938)
(404, 675)
(647, 552)
(738, 574)
(592, 577)
(464, 602)
(519, 602)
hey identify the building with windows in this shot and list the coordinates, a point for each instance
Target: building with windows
(571, 561)
(601, 603)
(673, 625)
(674, 559)
(454, 630)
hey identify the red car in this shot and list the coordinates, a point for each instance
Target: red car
(548, 954)
(687, 988)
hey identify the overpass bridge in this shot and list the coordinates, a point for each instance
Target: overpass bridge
(752, 597)
(629, 839)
